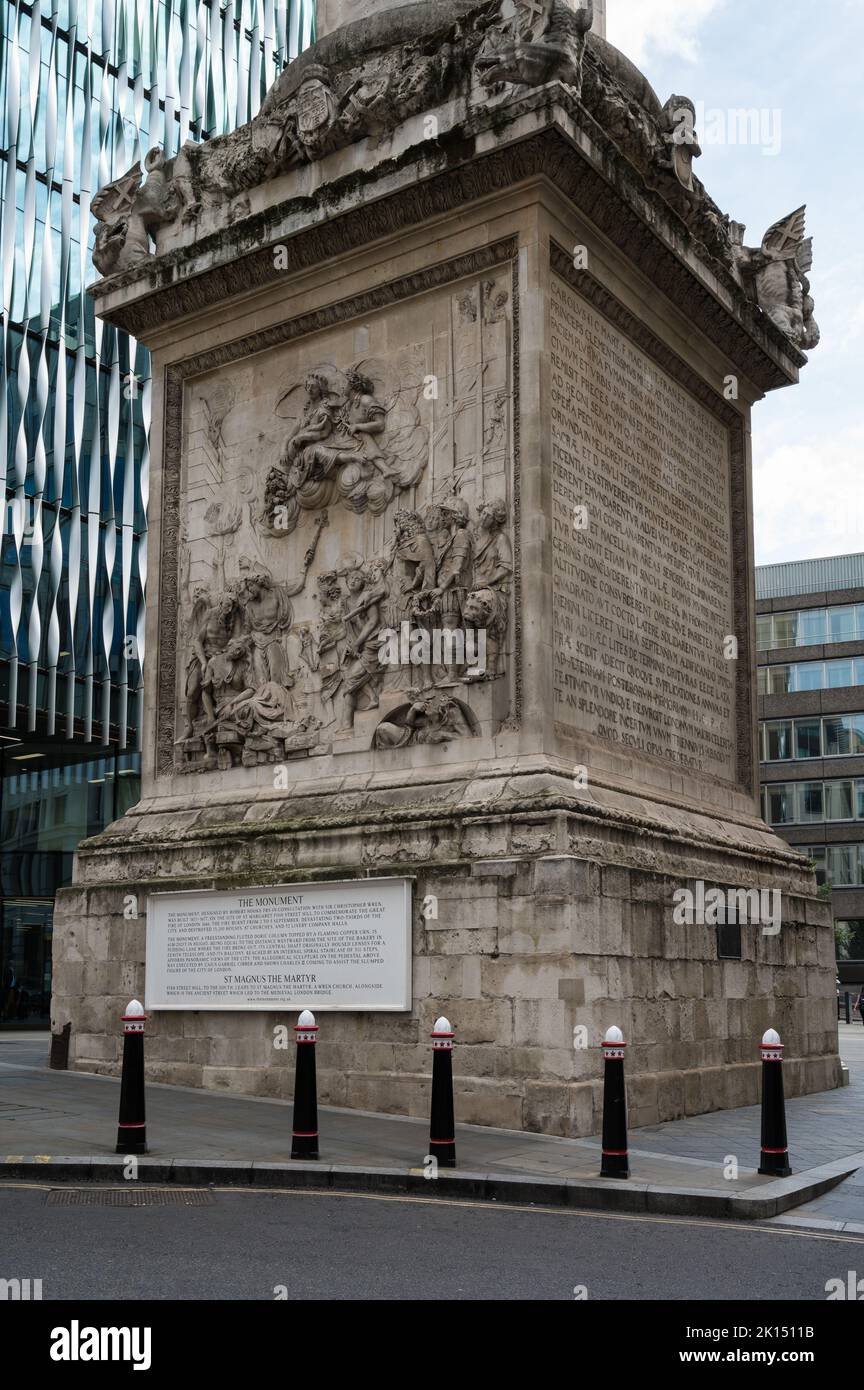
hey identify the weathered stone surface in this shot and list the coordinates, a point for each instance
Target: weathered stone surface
(385, 390)
(522, 1002)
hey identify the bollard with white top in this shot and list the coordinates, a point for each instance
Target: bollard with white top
(304, 1138)
(442, 1127)
(775, 1148)
(615, 1162)
(131, 1127)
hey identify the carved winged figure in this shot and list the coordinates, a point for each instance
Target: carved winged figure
(127, 212)
(776, 276)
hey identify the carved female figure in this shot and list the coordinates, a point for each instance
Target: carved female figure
(317, 424)
(360, 421)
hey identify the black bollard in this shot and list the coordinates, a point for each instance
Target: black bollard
(615, 1162)
(442, 1127)
(304, 1138)
(131, 1127)
(775, 1150)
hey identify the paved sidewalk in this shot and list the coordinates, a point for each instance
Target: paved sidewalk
(45, 1114)
(841, 1209)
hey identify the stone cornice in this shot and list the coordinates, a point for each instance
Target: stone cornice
(441, 177)
(574, 817)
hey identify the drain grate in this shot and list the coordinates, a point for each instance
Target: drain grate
(127, 1197)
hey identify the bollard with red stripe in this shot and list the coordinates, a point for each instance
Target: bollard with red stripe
(304, 1139)
(775, 1149)
(131, 1127)
(615, 1162)
(442, 1127)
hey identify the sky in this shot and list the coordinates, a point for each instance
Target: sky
(799, 64)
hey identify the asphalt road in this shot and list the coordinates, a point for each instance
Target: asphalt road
(248, 1245)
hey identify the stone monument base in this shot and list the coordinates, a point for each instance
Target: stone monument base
(450, 335)
(554, 921)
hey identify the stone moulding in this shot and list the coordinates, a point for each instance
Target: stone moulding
(575, 820)
(176, 375)
(606, 189)
(591, 289)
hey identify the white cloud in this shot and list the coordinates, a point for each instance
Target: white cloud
(669, 27)
(808, 498)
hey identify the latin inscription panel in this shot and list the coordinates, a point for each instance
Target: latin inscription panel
(642, 550)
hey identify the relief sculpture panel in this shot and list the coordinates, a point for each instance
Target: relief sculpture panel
(346, 557)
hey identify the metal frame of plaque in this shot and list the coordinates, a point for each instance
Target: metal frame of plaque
(275, 981)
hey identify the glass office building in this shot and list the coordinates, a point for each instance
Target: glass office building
(87, 87)
(810, 654)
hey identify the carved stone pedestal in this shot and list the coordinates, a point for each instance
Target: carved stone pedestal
(449, 344)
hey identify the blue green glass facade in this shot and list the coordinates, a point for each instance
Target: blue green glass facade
(87, 87)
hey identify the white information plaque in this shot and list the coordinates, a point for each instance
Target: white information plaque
(320, 946)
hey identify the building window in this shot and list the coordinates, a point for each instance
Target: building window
(808, 675)
(838, 736)
(810, 801)
(808, 738)
(838, 800)
(764, 632)
(840, 865)
(781, 804)
(819, 855)
(778, 743)
(791, 803)
(788, 678)
(855, 948)
(810, 627)
(839, 673)
(833, 736)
